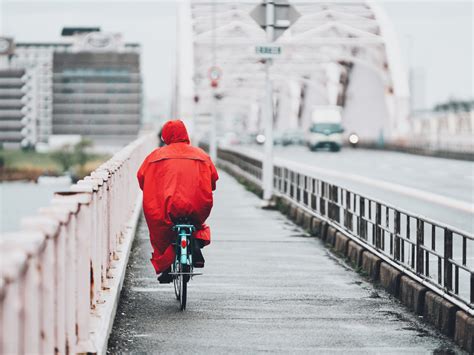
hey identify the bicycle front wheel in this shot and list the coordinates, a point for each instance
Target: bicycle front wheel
(183, 291)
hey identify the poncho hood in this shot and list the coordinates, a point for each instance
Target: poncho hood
(175, 132)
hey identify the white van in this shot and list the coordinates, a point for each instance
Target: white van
(325, 130)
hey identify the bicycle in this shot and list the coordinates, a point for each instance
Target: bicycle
(182, 267)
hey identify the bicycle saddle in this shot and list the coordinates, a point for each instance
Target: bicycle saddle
(182, 220)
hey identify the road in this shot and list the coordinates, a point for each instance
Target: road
(440, 189)
(267, 287)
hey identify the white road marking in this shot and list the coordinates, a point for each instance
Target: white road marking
(409, 191)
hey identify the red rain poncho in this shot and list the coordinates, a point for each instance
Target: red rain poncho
(177, 181)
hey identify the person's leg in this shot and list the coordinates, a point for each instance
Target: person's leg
(203, 234)
(202, 237)
(165, 277)
(163, 250)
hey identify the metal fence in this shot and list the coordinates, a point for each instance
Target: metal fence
(451, 150)
(61, 275)
(438, 255)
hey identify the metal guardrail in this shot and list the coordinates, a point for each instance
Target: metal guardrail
(61, 275)
(441, 256)
(427, 148)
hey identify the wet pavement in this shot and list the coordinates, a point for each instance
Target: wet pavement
(267, 287)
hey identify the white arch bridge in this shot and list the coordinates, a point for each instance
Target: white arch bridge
(343, 54)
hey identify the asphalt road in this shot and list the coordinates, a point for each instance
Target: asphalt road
(437, 188)
(267, 287)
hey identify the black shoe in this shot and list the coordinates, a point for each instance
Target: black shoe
(165, 277)
(198, 258)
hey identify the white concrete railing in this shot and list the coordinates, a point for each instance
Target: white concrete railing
(61, 275)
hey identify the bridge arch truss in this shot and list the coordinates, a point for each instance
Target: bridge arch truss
(343, 54)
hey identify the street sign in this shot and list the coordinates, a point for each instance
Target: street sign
(285, 15)
(268, 50)
(215, 73)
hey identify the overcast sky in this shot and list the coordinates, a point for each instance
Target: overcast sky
(436, 38)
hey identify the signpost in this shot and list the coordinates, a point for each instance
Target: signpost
(214, 75)
(275, 16)
(268, 51)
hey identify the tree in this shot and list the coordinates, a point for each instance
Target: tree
(64, 157)
(80, 154)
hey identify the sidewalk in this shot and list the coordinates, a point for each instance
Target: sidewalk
(267, 286)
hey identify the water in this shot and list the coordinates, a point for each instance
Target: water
(21, 199)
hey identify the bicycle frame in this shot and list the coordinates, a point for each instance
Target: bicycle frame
(184, 240)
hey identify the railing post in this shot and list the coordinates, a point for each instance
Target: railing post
(420, 236)
(83, 272)
(448, 254)
(336, 211)
(104, 218)
(48, 276)
(472, 288)
(378, 222)
(11, 341)
(66, 201)
(323, 199)
(362, 222)
(396, 231)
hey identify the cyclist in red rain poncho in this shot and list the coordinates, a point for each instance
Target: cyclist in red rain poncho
(177, 181)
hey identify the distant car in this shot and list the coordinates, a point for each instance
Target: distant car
(325, 130)
(325, 135)
(290, 137)
(293, 137)
(278, 138)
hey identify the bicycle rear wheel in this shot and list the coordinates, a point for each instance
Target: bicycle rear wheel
(175, 269)
(183, 292)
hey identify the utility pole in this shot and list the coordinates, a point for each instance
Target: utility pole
(275, 17)
(213, 138)
(267, 173)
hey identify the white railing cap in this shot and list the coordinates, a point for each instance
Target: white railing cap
(45, 224)
(66, 199)
(82, 189)
(61, 213)
(12, 264)
(113, 165)
(89, 182)
(107, 167)
(29, 242)
(101, 173)
(97, 180)
(81, 195)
